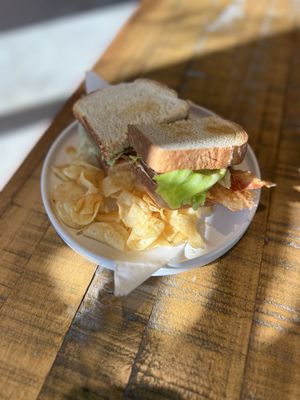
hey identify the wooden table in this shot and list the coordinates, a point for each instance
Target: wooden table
(230, 330)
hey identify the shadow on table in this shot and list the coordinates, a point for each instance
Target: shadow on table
(16, 13)
(84, 393)
(18, 119)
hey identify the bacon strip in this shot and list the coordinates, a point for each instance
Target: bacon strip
(241, 180)
(240, 195)
(233, 200)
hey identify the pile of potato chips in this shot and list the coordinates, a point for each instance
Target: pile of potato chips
(111, 209)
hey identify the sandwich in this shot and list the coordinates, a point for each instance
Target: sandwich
(105, 114)
(191, 162)
(178, 158)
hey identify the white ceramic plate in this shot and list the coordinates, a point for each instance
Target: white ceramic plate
(222, 229)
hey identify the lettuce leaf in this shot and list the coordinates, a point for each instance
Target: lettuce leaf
(185, 186)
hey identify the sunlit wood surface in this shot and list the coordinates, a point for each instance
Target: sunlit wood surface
(230, 330)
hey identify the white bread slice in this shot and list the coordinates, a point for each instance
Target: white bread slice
(195, 143)
(106, 113)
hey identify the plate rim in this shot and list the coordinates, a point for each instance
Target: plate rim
(196, 262)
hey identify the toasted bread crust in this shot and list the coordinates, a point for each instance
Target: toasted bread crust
(163, 160)
(145, 182)
(159, 84)
(88, 128)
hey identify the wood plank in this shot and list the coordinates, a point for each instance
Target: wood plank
(170, 32)
(22, 226)
(97, 355)
(37, 314)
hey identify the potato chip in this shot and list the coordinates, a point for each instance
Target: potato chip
(170, 236)
(196, 241)
(86, 205)
(124, 202)
(89, 182)
(114, 211)
(120, 180)
(73, 219)
(166, 214)
(184, 224)
(74, 207)
(112, 216)
(137, 243)
(166, 237)
(65, 214)
(59, 172)
(180, 222)
(179, 238)
(151, 203)
(151, 227)
(159, 242)
(89, 166)
(68, 191)
(126, 199)
(135, 214)
(169, 232)
(108, 204)
(110, 233)
(84, 174)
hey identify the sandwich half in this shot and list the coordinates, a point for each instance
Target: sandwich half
(178, 158)
(105, 114)
(190, 163)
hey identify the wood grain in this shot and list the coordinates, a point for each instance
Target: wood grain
(229, 330)
(97, 355)
(35, 316)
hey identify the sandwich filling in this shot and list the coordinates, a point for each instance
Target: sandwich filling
(184, 187)
(181, 187)
(234, 189)
(178, 188)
